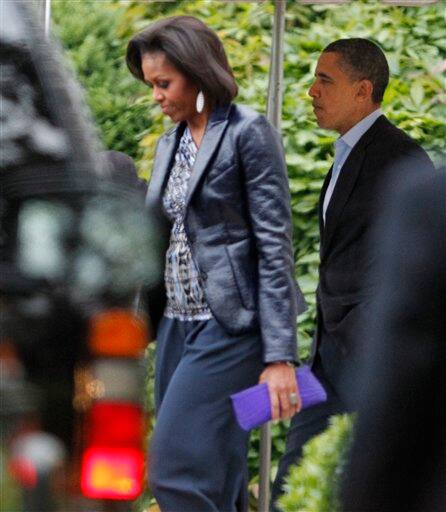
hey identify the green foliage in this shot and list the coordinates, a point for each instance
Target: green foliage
(313, 485)
(89, 33)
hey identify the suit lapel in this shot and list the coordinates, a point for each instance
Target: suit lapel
(321, 203)
(345, 185)
(165, 154)
(343, 189)
(211, 139)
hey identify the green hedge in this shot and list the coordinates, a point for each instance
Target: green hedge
(95, 34)
(313, 485)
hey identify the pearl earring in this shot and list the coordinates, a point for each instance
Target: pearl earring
(199, 105)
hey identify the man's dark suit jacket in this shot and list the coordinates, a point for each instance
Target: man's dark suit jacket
(398, 460)
(368, 181)
(238, 224)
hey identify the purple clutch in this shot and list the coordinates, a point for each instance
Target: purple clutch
(253, 407)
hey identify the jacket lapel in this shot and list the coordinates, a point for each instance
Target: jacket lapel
(345, 185)
(165, 154)
(211, 139)
(321, 203)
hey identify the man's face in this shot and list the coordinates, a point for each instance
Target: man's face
(334, 94)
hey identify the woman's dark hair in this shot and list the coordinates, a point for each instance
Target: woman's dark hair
(193, 48)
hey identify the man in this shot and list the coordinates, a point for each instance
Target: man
(398, 459)
(370, 155)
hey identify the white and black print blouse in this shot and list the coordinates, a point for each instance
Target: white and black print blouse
(184, 288)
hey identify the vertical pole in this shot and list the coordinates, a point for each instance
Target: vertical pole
(265, 467)
(274, 115)
(47, 18)
(275, 86)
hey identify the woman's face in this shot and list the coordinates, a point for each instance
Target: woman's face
(171, 89)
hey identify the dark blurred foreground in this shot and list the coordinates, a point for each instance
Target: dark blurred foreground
(398, 459)
(76, 245)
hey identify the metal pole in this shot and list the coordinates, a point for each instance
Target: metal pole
(47, 17)
(265, 467)
(274, 115)
(275, 86)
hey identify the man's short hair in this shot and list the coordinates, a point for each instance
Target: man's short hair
(363, 59)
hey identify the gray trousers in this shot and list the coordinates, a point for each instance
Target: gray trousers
(198, 453)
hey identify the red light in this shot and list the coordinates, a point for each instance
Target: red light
(112, 423)
(23, 471)
(113, 463)
(112, 473)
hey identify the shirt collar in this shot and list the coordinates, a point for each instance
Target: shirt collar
(354, 134)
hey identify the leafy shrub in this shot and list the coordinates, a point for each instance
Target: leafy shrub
(89, 31)
(313, 485)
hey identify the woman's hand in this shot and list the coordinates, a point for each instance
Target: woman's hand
(282, 384)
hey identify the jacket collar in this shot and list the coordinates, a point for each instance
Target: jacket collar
(168, 145)
(345, 184)
(165, 153)
(211, 139)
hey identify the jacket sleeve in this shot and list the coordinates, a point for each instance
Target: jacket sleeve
(268, 197)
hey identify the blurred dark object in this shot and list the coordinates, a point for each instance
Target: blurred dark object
(123, 170)
(66, 226)
(74, 241)
(109, 396)
(398, 459)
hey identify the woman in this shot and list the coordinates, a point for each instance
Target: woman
(229, 305)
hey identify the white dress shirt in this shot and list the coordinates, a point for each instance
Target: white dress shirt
(343, 148)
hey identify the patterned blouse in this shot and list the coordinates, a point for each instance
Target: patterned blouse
(184, 288)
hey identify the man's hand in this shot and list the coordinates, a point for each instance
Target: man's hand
(281, 380)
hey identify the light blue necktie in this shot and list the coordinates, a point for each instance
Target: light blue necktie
(341, 149)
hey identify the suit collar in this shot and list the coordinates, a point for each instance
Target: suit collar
(345, 184)
(168, 145)
(165, 153)
(321, 204)
(214, 131)
(220, 113)
(352, 137)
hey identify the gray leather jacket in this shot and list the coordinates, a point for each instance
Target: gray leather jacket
(239, 226)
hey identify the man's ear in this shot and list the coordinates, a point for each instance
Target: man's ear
(364, 90)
